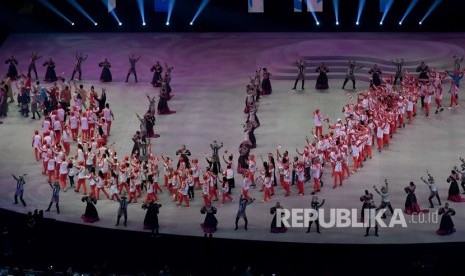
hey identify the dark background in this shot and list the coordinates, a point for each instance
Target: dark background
(229, 16)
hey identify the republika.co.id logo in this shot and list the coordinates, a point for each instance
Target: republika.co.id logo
(339, 217)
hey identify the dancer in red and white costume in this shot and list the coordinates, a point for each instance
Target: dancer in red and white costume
(318, 122)
(36, 144)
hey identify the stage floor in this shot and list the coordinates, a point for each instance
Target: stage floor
(209, 77)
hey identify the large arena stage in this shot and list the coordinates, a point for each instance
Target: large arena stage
(211, 71)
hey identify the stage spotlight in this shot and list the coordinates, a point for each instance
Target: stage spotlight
(318, 23)
(140, 4)
(170, 11)
(81, 10)
(200, 9)
(381, 23)
(113, 13)
(386, 10)
(400, 22)
(191, 23)
(356, 23)
(336, 11)
(361, 5)
(409, 9)
(430, 10)
(55, 10)
(120, 23)
(419, 23)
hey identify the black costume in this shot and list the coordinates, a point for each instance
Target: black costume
(243, 202)
(210, 223)
(12, 71)
(132, 68)
(274, 226)
(90, 215)
(19, 189)
(315, 206)
(50, 75)
(123, 209)
(157, 70)
(322, 80)
(32, 65)
(446, 226)
(105, 76)
(77, 68)
(151, 216)
(55, 197)
(300, 74)
(375, 76)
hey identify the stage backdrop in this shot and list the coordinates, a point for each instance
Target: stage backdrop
(312, 5)
(256, 6)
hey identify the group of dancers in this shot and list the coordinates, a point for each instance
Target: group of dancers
(375, 116)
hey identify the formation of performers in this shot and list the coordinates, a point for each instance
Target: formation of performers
(159, 79)
(374, 117)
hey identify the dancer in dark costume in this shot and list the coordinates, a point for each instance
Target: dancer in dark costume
(210, 223)
(351, 73)
(77, 67)
(399, 74)
(300, 73)
(266, 84)
(411, 204)
(12, 71)
(322, 80)
(19, 188)
(132, 69)
(423, 77)
(151, 216)
(91, 214)
(157, 70)
(162, 107)
(55, 197)
(375, 76)
(32, 64)
(243, 202)
(315, 206)
(446, 226)
(275, 228)
(105, 76)
(366, 199)
(50, 75)
(454, 191)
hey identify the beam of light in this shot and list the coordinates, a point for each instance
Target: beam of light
(140, 3)
(55, 10)
(430, 10)
(336, 10)
(312, 12)
(81, 10)
(113, 13)
(200, 9)
(409, 9)
(170, 11)
(361, 5)
(386, 10)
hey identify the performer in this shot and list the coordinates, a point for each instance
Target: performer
(215, 159)
(50, 75)
(20, 182)
(300, 73)
(423, 69)
(315, 206)
(366, 199)
(322, 80)
(12, 71)
(157, 70)
(351, 73)
(90, 215)
(411, 204)
(55, 197)
(433, 189)
(77, 67)
(105, 76)
(370, 206)
(275, 228)
(32, 64)
(122, 209)
(243, 202)
(385, 200)
(132, 69)
(457, 63)
(184, 154)
(446, 225)
(266, 84)
(210, 223)
(151, 216)
(162, 107)
(375, 76)
(454, 191)
(398, 64)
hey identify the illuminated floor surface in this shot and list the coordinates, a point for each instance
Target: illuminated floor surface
(209, 78)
